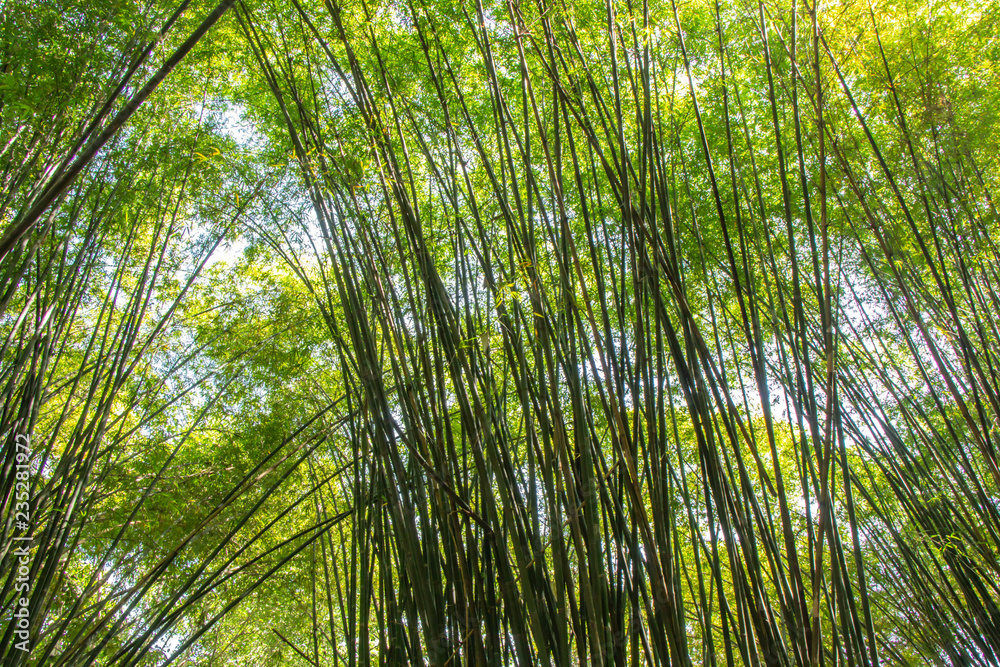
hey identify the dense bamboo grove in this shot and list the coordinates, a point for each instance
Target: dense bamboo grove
(513, 333)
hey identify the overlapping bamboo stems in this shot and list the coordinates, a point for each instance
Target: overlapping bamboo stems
(577, 520)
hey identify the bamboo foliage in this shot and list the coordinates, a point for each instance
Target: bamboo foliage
(607, 333)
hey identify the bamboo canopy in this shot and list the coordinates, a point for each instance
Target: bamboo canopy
(599, 332)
